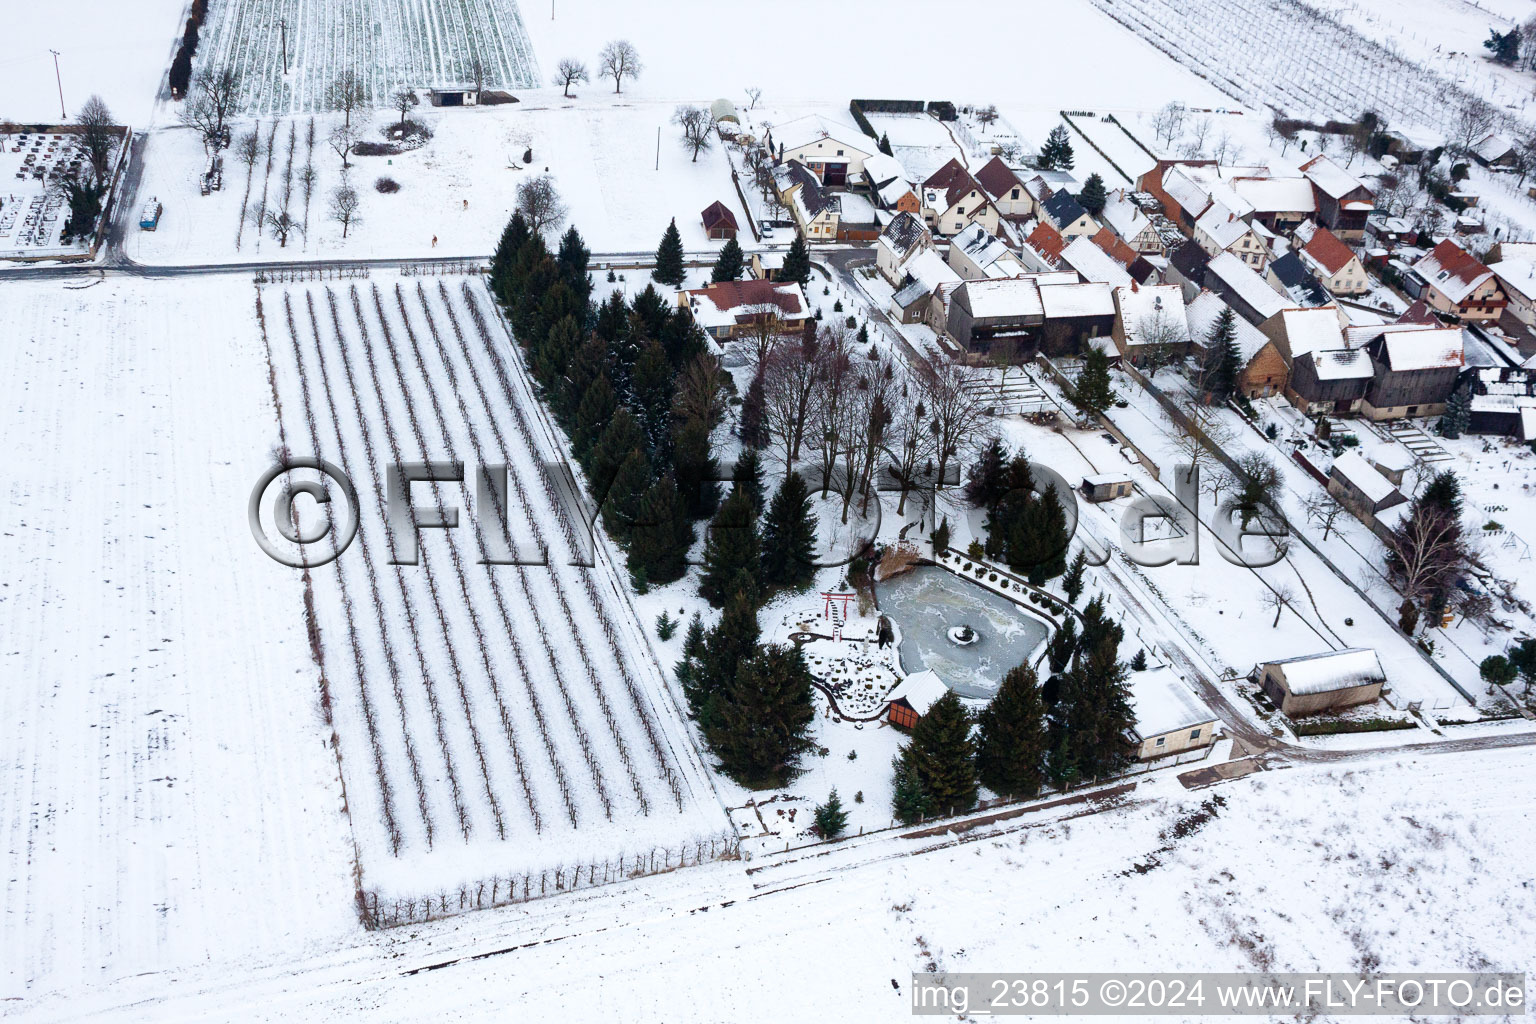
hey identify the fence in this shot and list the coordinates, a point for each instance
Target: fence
(294, 275)
(443, 268)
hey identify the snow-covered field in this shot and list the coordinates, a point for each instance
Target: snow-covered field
(390, 43)
(498, 724)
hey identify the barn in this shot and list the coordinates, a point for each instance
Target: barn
(912, 698)
(1319, 682)
(1169, 718)
(719, 221)
(1106, 486)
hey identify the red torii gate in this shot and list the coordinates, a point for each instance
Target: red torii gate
(828, 596)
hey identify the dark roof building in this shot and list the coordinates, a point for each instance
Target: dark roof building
(719, 221)
(1304, 289)
(1063, 209)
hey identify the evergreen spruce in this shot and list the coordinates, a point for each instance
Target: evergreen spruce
(762, 717)
(831, 819)
(1091, 717)
(1098, 627)
(1094, 196)
(683, 339)
(989, 476)
(1093, 395)
(620, 436)
(943, 756)
(513, 236)
(621, 505)
(653, 312)
(573, 259)
(885, 144)
(1458, 413)
(797, 263)
(1056, 154)
(728, 265)
(1011, 745)
(652, 384)
(553, 357)
(593, 417)
(694, 647)
(1139, 663)
(1223, 360)
(731, 547)
(732, 641)
(669, 257)
(789, 535)
(694, 464)
(908, 801)
(1072, 582)
(754, 418)
(748, 475)
(661, 535)
(1062, 645)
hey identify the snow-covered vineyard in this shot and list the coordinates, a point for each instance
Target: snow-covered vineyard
(504, 731)
(392, 45)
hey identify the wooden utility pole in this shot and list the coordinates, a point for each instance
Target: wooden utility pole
(283, 27)
(658, 147)
(59, 79)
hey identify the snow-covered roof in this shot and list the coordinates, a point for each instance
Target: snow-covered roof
(803, 131)
(1331, 670)
(903, 232)
(921, 690)
(1221, 226)
(1430, 349)
(1326, 250)
(1124, 217)
(1183, 188)
(980, 246)
(1013, 297)
(880, 169)
(1101, 479)
(1332, 179)
(730, 302)
(1072, 300)
(1517, 275)
(1453, 270)
(1202, 314)
(1312, 330)
(1093, 263)
(929, 269)
(998, 178)
(1246, 284)
(1366, 478)
(1494, 146)
(1141, 306)
(1162, 704)
(1342, 364)
(1277, 195)
(854, 208)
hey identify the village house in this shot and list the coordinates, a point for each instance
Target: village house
(1415, 370)
(729, 309)
(1329, 381)
(1504, 402)
(1298, 331)
(888, 180)
(1280, 204)
(834, 153)
(1220, 230)
(1321, 682)
(1362, 489)
(1343, 201)
(923, 276)
(1186, 268)
(1042, 248)
(1335, 264)
(1067, 215)
(815, 210)
(1127, 219)
(952, 199)
(1005, 189)
(903, 238)
(1292, 277)
(976, 253)
(1243, 289)
(1452, 280)
(719, 221)
(1041, 185)
(980, 312)
(1517, 279)
(1170, 719)
(1092, 263)
(1496, 150)
(1264, 371)
(766, 266)
(1150, 323)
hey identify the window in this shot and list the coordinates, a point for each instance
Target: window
(960, 209)
(1160, 741)
(1015, 194)
(1194, 734)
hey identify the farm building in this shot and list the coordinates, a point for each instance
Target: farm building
(1361, 488)
(912, 698)
(453, 96)
(1264, 370)
(730, 308)
(724, 110)
(1169, 718)
(1318, 682)
(1343, 200)
(1106, 487)
(719, 221)
(1504, 402)
(834, 153)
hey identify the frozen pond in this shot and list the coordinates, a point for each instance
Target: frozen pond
(928, 601)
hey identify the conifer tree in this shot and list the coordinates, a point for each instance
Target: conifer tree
(1094, 197)
(1038, 546)
(693, 463)
(989, 476)
(797, 263)
(754, 415)
(1139, 663)
(669, 257)
(1097, 626)
(692, 661)
(885, 144)
(652, 383)
(593, 416)
(653, 311)
(789, 535)
(763, 717)
(732, 641)
(731, 547)
(553, 357)
(1072, 582)
(1091, 717)
(1056, 154)
(1093, 393)
(683, 339)
(831, 819)
(908, 801)
(620, 436)
(1223, 360)
(1458, 413)
(1011, 744)
(573, 259)
(943, 756)
(661, 535)
(729, 264)
(503, 282)
(748, 475)
(1062, 645)
(621, 504)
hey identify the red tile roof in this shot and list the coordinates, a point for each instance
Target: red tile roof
(730, 295)
(1114, 247)
(955, 180)
(1047, 241)
(1330, 253)
(1419, 313)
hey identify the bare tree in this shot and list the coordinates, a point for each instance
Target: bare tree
(1285, 130)
(344, 204)
(765, 329)
(540, 204)
(619, 60)
(210, 102)
(1258, 485)
(1324, 511)
(1201, 429)
(347, 93)
(308, 178)
(568, 72)
(403, 100)
(911, 441)
(696, 123)
(831, 421)
(1198, 132)
(754, 94)
(987, 117)
(873, 397)
(1278, 598)
(789, 384)
(282, 225)
(955, 411)
(1473, 121)
(1158, 340)
(1168, 122)
(701, 391)
(97, 137)
(1223, 147)
(477, 74)
(342, 138)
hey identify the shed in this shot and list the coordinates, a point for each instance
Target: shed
(724, 110)
(913, 696)
(1169, 718)
(453, 96)
(1360, 487)
(1106, 486)
(1317, 682)
(719, 221)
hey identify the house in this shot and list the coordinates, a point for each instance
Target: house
(1116, 249)
(767, 266)
(923, 276)
(1416, 369)
(1243, 289)
(1320, 682)
(1291, 276)
(1064, 213)
(1186, 268)
(1264, 370)
(1041, 185)
(1495, 150)
(1006, 189)
(857, 220)
(1280, 204)
(976, 253)
(1301, 330)
(1092, 263)
(1343, 201)
(1042, 248)
(1335, 264)
(1075, 314)
(1361, 488)
(1411, 147)
(719, 221)
(1388, 232)
(1329, 382)
(1106, 487)
(913, 697)
(980, 312)
(952, 199)
(728, 309)
(1125, 217)
(833, 152)
(1517, 279)
(1452, 280)
(1504, 402)
(816, 211)
(903, 238)
(1170, 719)
(888, 180)
(1150, 322)
(1220, 230)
